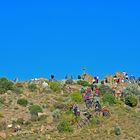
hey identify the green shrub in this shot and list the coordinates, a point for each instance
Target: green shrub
(32, 87)
(56, 114)
(55, 86)
(35, 109)
(117, 131)
(103, 89)
(83, 83)
(132, 90)
(68, 116)
(22, 102)
(5, 85)
(64, 126)
(76, 97)
(110, 99)
(131, 101)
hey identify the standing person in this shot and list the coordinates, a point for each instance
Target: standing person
(97, 91)
(97, 108)
(76, 110)
(97, 79)
(66, 77)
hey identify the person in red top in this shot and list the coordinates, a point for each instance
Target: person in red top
(97, 91)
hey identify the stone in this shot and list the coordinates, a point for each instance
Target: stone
(10, 126)
(41, 114)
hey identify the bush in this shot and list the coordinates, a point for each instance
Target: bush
(103, 89)
(32, 87)
(76, 97)
(55, 86)
(56, 114)
(131, 101)
(117, 131)
(110, 99)
(35, 109)
(5, 85)
(68, 116)
(22, 102)
(132, 90)
(70, 82)
(64, 126)
(83, 83)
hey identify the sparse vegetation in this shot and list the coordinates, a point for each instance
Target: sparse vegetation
(56, 114)
(83, 83)
(69, 81)
(110, 99)
(32, 87)
(76, 97)
(65, 126)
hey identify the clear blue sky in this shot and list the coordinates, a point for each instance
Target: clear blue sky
(40, 37)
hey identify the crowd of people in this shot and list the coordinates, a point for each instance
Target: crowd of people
(92, 102)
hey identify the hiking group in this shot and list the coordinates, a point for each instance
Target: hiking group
(92, 102)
